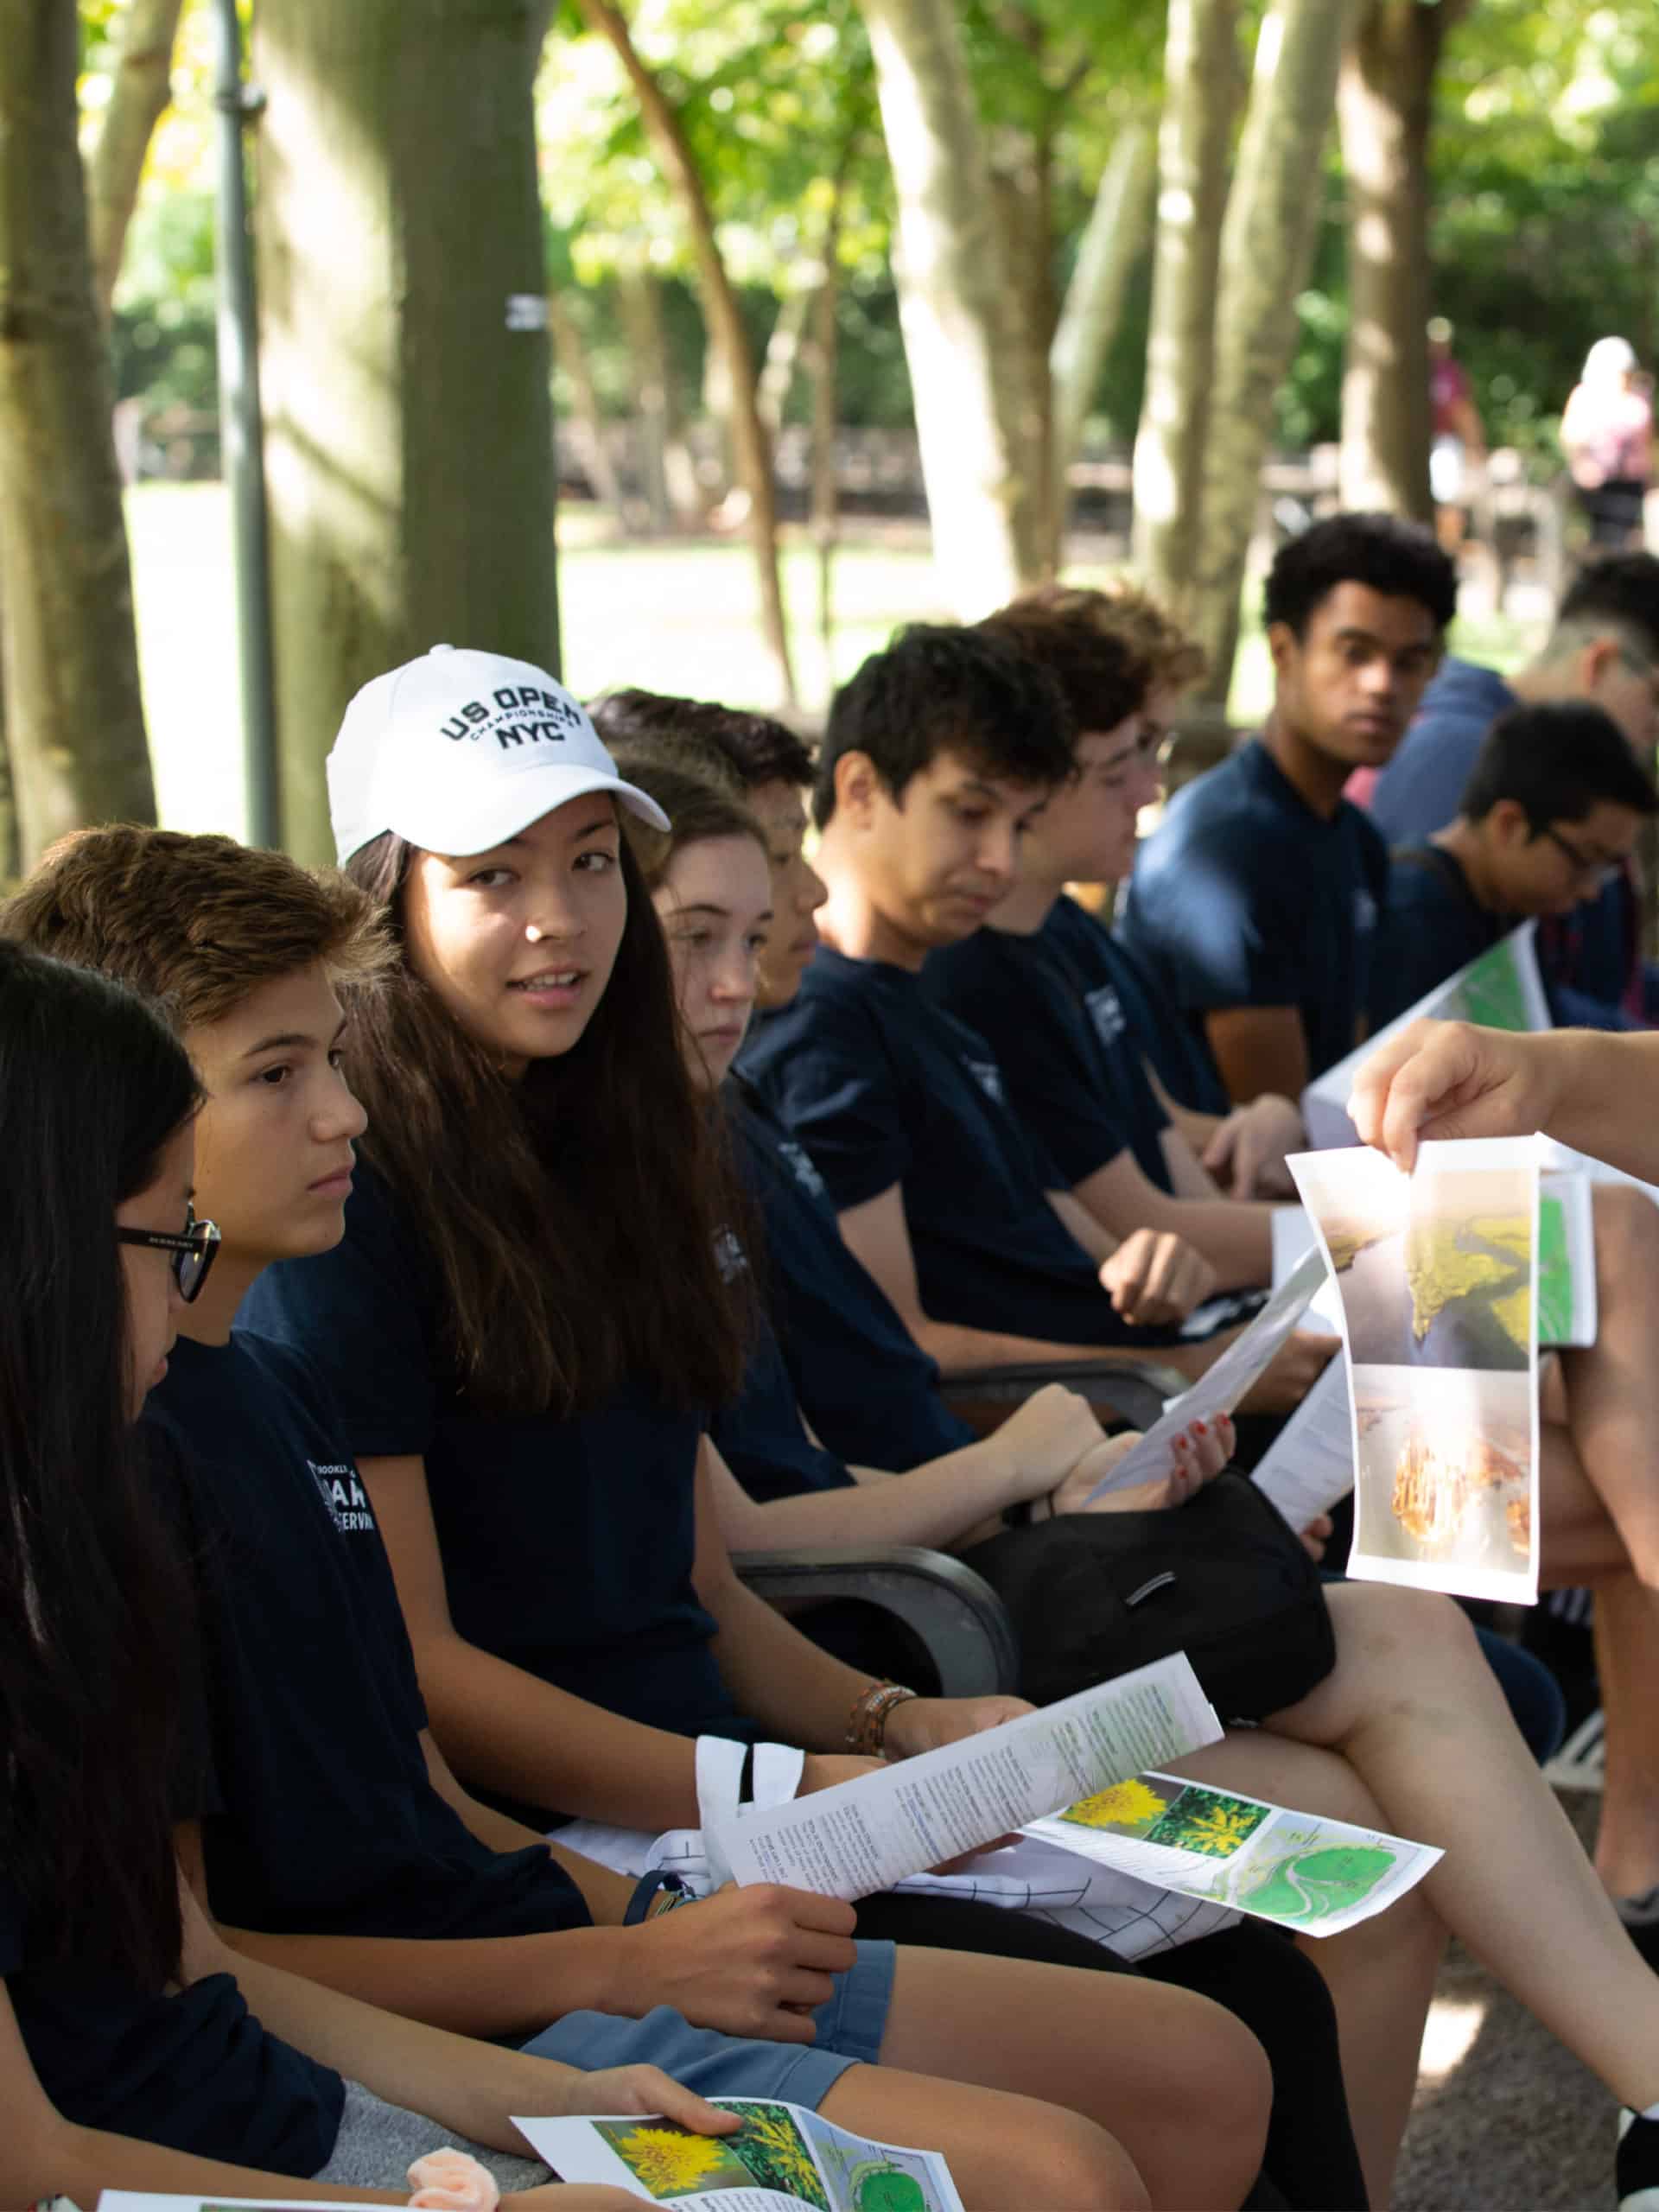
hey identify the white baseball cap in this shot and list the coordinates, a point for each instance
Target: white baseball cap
(460, 750)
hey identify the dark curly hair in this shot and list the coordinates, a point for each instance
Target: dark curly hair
(945, 688)
(757, 748)
(1399, 559)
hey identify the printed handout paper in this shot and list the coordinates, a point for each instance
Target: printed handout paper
(1310, 1463)
(1314, 1875)
(783, 2154)
(1501, 990)
(864, 1835)
(1437, 1273)
(1219, 1389)
(1567, 1259)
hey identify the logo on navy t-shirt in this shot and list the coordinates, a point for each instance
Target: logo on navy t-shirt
(344, 1495)
(729, 1256)
(1105, 1010)
(806, 1173)
(1364, 913)
(988, 1077)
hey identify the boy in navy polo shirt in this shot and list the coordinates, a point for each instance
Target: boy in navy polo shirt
(938, 751)
(1032, 982)
(1257, 898)
(334, 1840)
(1552, 807)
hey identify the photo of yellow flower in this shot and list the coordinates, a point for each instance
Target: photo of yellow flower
(1130, 1808)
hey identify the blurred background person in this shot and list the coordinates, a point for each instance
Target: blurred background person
(1607, 437)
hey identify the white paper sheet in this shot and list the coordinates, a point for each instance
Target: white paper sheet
(1310, 1463)
(779, 2144)
(1439, 1277)
(1297, 1869)
(864, 1835)
(1219, 1389)
(1501, 990)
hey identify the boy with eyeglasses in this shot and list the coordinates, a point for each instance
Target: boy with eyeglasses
(1549, 816)
(1604, 649)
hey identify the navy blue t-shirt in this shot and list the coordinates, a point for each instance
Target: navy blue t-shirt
(327, 1819)
(1433, 925)
(194, 2071)
(1060, 1035)
(1420, 790)
(1244, 896)
(1178, 1054)
(883, 1088)
(567, 1544)
(760, 1434)
(861, 1380)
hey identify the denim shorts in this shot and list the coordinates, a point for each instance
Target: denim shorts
(850, 2022)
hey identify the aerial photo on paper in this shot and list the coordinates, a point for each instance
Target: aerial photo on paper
(1436, 1271)
(1445, 1468)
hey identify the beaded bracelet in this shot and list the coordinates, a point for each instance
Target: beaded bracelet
(867, 1724)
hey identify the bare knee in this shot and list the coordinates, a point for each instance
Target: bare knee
(1381, 1625)
(1070, 2161)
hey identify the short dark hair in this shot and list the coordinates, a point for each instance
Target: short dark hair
(701, 799)
(944, 688)
(1622, 590)
(757, 748)
(1103, 678)
(1398, 558)
(1557, 761)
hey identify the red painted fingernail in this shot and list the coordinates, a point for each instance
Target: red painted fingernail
(1200, 1428)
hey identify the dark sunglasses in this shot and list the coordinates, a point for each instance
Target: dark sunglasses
(193, 1252)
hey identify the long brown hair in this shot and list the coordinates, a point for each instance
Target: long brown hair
(573, 1215)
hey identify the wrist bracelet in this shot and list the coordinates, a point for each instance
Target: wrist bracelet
(655, 1894)
(867, 1724)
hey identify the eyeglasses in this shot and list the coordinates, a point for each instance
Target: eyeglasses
(1589, 867)
(1151, 748)
(193, 1252)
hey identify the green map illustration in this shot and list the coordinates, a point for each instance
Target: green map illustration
(1554, 1273)
(1305, 1883)
(1491, 993)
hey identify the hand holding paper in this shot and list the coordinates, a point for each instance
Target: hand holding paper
(864, 1836)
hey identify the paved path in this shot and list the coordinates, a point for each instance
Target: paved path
(1505, 2120)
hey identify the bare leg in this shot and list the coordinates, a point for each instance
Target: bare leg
(1415, 1708)
(1611, 1401)
(1002, 2150)
(1180, 2085)
(1627, 1664)
(1381, 1974)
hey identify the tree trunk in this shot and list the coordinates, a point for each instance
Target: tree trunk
(1118, 231)
(984, 493)
(138, 99)
(1201, 76)
(1022, 199)
(572, 357)
(1383, 103)
(1266, 246)
(68, 654)
(752, 448)
(820, 357)
(405, 353)
(783, 357)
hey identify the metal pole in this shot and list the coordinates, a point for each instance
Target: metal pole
(242, 431)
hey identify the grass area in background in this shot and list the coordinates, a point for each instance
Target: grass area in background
(674, 617)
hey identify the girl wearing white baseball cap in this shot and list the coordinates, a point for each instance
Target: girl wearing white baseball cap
(525, 1327)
